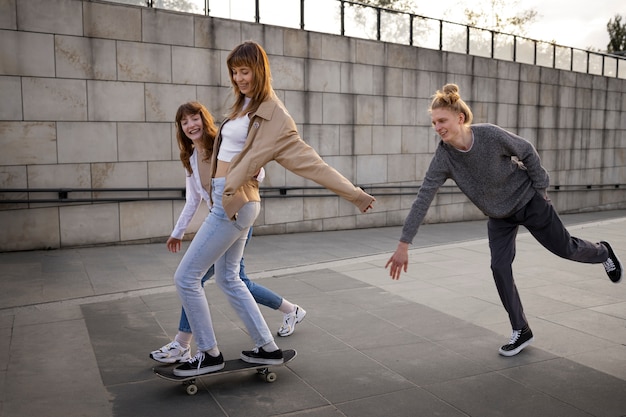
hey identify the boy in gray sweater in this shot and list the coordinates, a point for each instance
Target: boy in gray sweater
(501, 173)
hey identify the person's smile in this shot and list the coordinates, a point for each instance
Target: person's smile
(243, 87)
(192, 126)
(446, 124)
(243, 78)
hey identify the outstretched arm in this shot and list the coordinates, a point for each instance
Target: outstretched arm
(300, 158)
(435, 177)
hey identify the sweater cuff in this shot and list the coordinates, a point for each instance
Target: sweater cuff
(363, 200)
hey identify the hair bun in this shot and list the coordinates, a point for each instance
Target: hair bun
(449, 98)
(451, 93)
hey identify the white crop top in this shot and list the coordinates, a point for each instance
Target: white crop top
(234, 134)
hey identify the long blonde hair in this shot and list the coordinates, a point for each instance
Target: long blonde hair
(449, 98)
(209, 131)
(250, 54)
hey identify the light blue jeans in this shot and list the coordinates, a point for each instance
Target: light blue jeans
(261, 295)
(220, 241)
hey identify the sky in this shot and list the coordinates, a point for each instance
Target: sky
(576, 23)
(581, 23)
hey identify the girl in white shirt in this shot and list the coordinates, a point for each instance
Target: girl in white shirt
(195, 131)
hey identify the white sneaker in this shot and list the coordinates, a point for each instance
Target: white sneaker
(173, 352)
(290, 320)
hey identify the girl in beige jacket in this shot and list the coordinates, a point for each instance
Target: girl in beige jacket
(258, 130)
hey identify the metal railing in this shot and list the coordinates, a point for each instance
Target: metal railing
(350, 18)
(99, 195)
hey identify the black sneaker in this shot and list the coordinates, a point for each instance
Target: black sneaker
(258, 355)
(201, 364)
(519, 340)
(612, 265)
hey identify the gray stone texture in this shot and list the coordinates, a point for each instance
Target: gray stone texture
(92, 89)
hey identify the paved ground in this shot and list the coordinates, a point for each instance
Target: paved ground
(76, 327)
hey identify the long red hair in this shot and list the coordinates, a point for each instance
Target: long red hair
(209, 132)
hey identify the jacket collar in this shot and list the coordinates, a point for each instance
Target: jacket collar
(266, 109)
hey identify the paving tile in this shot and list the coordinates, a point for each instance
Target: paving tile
(369, 346)
(493, 394)
(52, 364)
(584, 388)
(406, 403)
(346, 375)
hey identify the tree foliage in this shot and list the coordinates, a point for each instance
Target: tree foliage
(499, 15)
(504, 16)
(180, 5)
(393, 27)
(617, 35)
(399, 5)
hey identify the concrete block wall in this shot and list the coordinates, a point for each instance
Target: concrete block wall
(89, 91)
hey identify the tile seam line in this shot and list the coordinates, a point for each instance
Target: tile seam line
(271, 273)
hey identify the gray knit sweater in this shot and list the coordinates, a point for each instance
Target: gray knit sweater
(499, 174)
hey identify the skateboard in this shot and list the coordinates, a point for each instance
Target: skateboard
(230, 366)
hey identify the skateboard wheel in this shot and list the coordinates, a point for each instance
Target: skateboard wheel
(191, 389)
(270, 377)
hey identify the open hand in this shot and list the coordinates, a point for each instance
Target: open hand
(399, 261)
(173, 244)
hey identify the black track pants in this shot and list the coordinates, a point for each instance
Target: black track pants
(543, 222)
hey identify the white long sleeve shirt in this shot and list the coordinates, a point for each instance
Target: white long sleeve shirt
(194, 194)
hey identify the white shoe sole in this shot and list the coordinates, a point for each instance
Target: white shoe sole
(201, 371)
(170, 360)
(262, 361)
(509, 353)
(294, 326)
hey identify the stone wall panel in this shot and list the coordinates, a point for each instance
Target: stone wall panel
(93, 88)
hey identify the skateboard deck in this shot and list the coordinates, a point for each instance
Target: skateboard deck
(230, 366)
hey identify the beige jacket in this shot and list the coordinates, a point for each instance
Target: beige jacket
(272, 136)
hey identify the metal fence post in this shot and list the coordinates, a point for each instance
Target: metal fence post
(441, 35)
(343, 16)
(378, 17)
